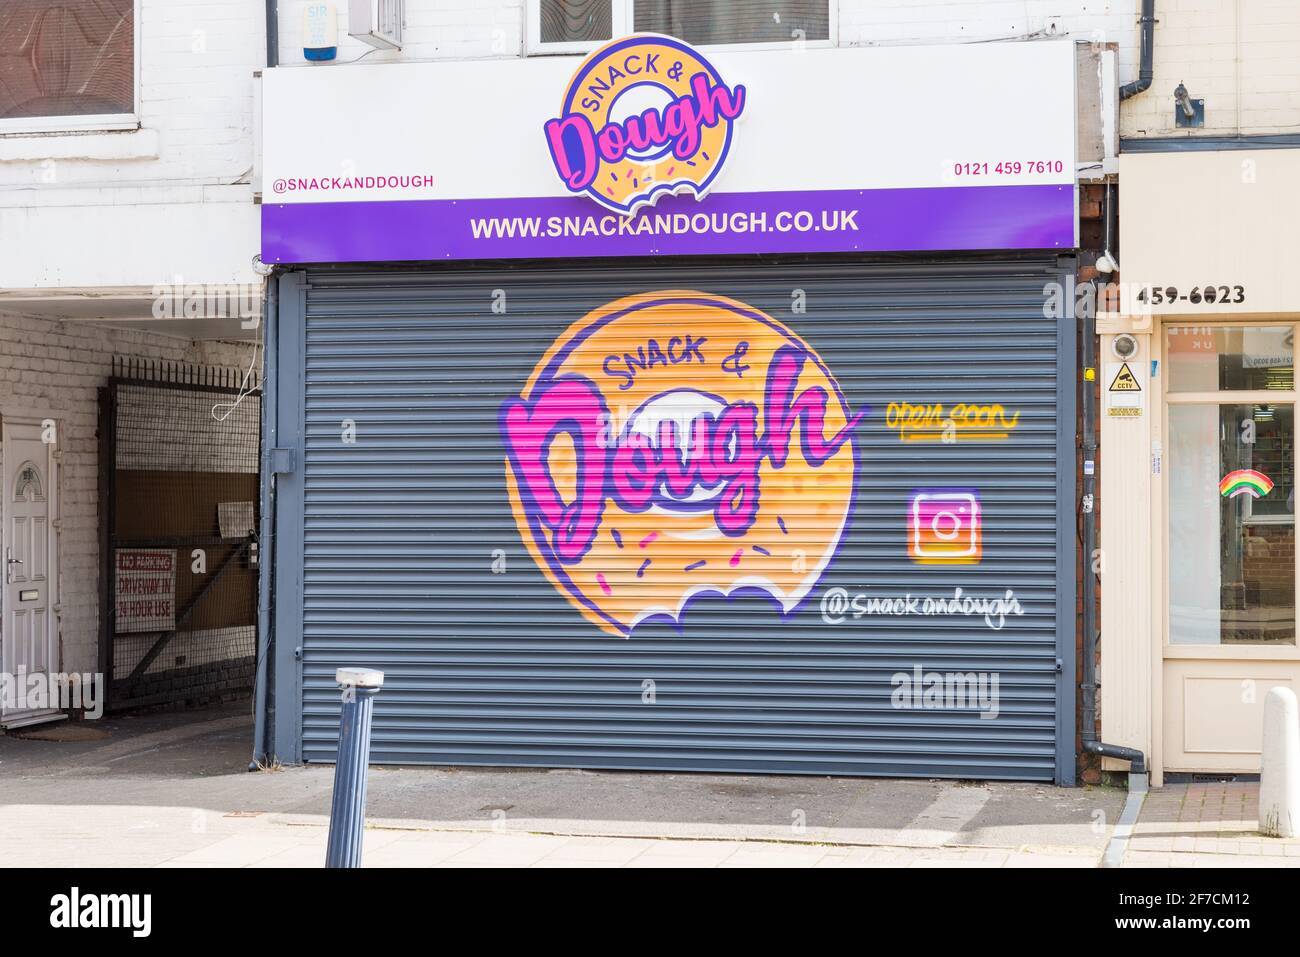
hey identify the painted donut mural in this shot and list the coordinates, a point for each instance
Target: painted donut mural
(677, 444)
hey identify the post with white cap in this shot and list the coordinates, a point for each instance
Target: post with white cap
(1279, 779)
(348, 808)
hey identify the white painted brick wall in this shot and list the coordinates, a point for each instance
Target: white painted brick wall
(197, 59)
(54, 369)
(83, 210)
(1255, 61)
(473, 29)
(879, 22)
(433, 30)
(456, 29)
(1241, 56)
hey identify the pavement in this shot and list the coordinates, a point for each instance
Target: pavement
(1213, 824)
(173, 790)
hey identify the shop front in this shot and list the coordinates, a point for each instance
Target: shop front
(1198, 477)
(648, 411)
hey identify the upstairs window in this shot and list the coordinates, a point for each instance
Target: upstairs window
(577, 26)
(67, 64)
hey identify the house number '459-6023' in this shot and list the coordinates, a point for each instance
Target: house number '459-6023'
(1156, 295)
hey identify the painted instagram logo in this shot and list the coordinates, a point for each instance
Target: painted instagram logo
(943, 527)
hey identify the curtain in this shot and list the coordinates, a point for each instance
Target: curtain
(734, 21)
(66, 58)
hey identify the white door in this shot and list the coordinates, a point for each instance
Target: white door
(29, 637)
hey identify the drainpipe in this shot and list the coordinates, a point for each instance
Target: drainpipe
(265, 545)
(1145, 69)
(266, 536)
(273, 35)
(1091, 743)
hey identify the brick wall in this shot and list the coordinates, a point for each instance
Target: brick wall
(434, 30)
(1267, 585)
(1239, 55)
(172, 198)
(872, 22)
(1092, 211)
(197, 59)
(471, 29)
(55, 368)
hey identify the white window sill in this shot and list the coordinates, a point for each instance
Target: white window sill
(580, 48)
(134, 144)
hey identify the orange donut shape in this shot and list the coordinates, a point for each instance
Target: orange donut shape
(677, 444)
(644, 116)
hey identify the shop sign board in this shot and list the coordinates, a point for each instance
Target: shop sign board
(648, 146)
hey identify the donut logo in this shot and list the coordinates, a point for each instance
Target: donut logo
(645, 116)
(675, 445)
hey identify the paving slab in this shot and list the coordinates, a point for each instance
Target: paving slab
(175, 791)
(1210, 824)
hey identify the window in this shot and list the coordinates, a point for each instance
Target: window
(67, 64)
(1208, 358)
(1231, 483)
(575, 26)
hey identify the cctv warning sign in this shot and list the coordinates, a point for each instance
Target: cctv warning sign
(1124, 380)
(1125, 395)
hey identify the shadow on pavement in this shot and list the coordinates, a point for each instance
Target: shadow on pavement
(199, 759)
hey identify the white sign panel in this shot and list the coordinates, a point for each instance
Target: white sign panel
(146, 590)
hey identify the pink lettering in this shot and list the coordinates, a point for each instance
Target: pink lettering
(576, 147)
(573, 406)
(808, 408)
(579, 176)
(724, 454)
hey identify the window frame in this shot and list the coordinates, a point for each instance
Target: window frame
(622, 22)
(1244, 651)
(89, 122)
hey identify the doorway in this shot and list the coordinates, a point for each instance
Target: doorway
(1230, 490)
(30, 636)
(179, 460)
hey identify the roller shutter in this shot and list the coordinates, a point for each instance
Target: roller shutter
(413, 561)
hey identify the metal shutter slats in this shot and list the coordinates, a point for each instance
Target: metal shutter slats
(501, 670)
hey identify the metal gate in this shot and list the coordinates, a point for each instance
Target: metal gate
(428, 552)
(179, 453)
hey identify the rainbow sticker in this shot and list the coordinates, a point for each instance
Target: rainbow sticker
(1245, 482)
(643, 117)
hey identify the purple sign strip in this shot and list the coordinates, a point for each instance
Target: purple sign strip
(871, 220)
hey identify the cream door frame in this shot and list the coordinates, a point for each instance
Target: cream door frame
(1237, 664)
(1129, 673)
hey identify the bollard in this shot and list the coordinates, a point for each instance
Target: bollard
(348, 806)
(1279, 778)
